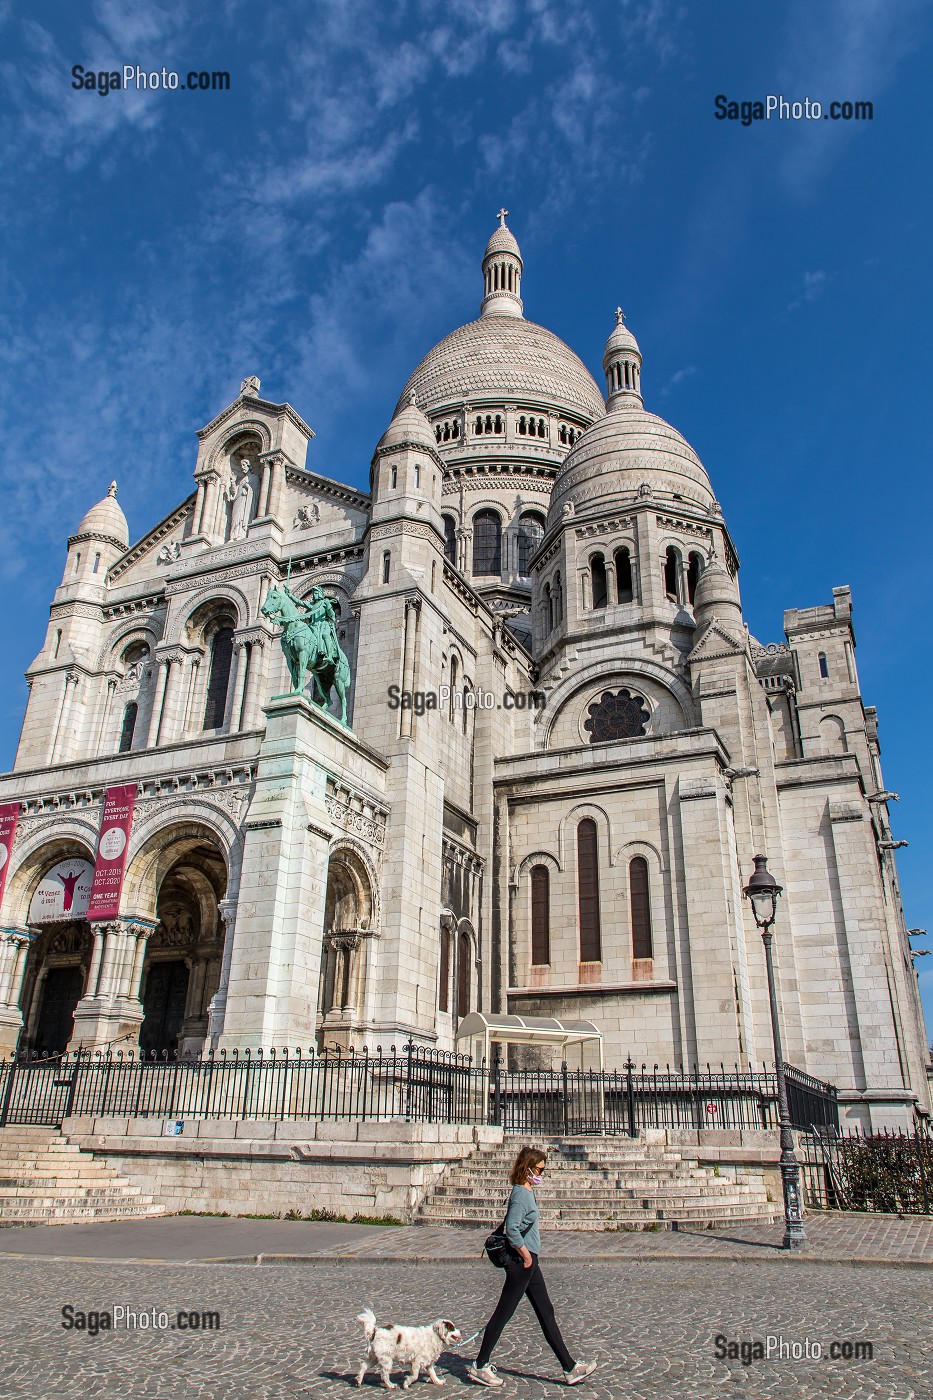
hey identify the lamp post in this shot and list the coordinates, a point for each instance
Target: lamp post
(763, 891)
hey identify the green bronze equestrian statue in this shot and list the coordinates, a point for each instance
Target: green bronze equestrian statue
(309, 641)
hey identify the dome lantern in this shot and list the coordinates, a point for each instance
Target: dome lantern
(502, 273)
(622, 366)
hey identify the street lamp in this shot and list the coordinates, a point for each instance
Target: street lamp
(763, 891)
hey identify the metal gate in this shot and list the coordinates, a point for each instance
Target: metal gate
(37, 1094)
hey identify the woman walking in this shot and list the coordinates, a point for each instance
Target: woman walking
(523, 1276)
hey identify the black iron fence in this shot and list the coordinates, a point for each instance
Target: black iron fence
(887, 1172)
(413, 1084)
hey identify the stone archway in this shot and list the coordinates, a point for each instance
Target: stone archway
(57, 946)
(181, 972)
(348, 919)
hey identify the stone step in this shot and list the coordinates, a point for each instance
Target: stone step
(680, 1215)
(62, 1190)
(646, 1191)
(70, 1215)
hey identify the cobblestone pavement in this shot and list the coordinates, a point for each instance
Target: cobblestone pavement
(288, 1332)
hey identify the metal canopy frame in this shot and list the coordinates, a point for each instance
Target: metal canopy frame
(490, 1029)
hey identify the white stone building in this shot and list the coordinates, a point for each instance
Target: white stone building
(292, 881)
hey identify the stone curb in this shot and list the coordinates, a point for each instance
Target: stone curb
(643, 1257)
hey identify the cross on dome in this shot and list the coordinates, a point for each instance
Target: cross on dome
(112, 491)
(502, 216)
(620, 315)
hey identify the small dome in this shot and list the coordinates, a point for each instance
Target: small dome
(408, 426)
(715, 589)
(106, 521)
(625, 455)
(502, 241)
(621, 338)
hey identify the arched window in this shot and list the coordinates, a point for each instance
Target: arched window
(463, 975)
(450, 539)
(641, 908)
(824, 668)
(394, 477)
(96, 563)
(386, 566)
(129, 726)
(487, 543)
(219, 679)
(549, 607)
(671, 574)
(694, 569)
(624, 589)
(588, 892)
(443, 991)
(558, 599)
(540, 915)
(454, 676)
(530, 535)
(598, 581)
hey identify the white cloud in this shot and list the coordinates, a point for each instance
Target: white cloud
(677, 378)
(812, 285)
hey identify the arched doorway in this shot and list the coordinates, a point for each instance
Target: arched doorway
(348, 918)
(181, 972)
(60, 953)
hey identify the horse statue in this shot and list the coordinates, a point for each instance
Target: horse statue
(309, 641)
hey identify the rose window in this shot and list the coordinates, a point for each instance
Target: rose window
(616, 715)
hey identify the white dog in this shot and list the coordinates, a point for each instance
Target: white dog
(417, 1347)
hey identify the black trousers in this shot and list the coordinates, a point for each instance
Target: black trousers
(519, 1281)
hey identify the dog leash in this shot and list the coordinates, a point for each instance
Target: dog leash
(464, 1341)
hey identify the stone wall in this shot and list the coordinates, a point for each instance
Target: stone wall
(260, 1167)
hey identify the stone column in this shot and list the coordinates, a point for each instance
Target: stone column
(208, 521)
(192, 695)
(226, 911)
(167, 729)
(252, 698)
(158, 702)
(235, 692)
(14, 950)
(111, 1010)
(60, 741)
(276, 486)
(105, 708)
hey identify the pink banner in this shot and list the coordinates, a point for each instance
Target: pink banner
(9, 816)
(111, 852)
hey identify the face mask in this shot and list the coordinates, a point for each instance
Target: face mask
(534, 1179)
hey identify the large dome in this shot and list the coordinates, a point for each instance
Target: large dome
(627, 453)
(503, 356)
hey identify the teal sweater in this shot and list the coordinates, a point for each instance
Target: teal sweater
(521, 1220)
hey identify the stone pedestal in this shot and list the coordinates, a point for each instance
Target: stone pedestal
(275, 960)
(111, 1011)
(14, 949)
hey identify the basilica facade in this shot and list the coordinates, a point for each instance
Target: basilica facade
(562, 751)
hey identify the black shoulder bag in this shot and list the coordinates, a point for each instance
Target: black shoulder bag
(497, 1248)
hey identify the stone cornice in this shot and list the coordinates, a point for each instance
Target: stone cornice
(251, 401)
(326, 486)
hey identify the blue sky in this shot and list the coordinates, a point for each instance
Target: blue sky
(322, 223)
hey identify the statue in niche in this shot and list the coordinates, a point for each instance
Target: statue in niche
(239, 492)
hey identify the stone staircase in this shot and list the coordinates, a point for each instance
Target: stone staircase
(47, 1180)
(602, 1184)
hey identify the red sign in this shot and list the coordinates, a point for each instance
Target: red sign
(111, 851)
(9, 816)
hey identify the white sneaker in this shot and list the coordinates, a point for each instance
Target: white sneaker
(580, 1372)
(484, 1375)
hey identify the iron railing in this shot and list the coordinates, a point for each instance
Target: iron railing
(885, 1172)
(414, 1083)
